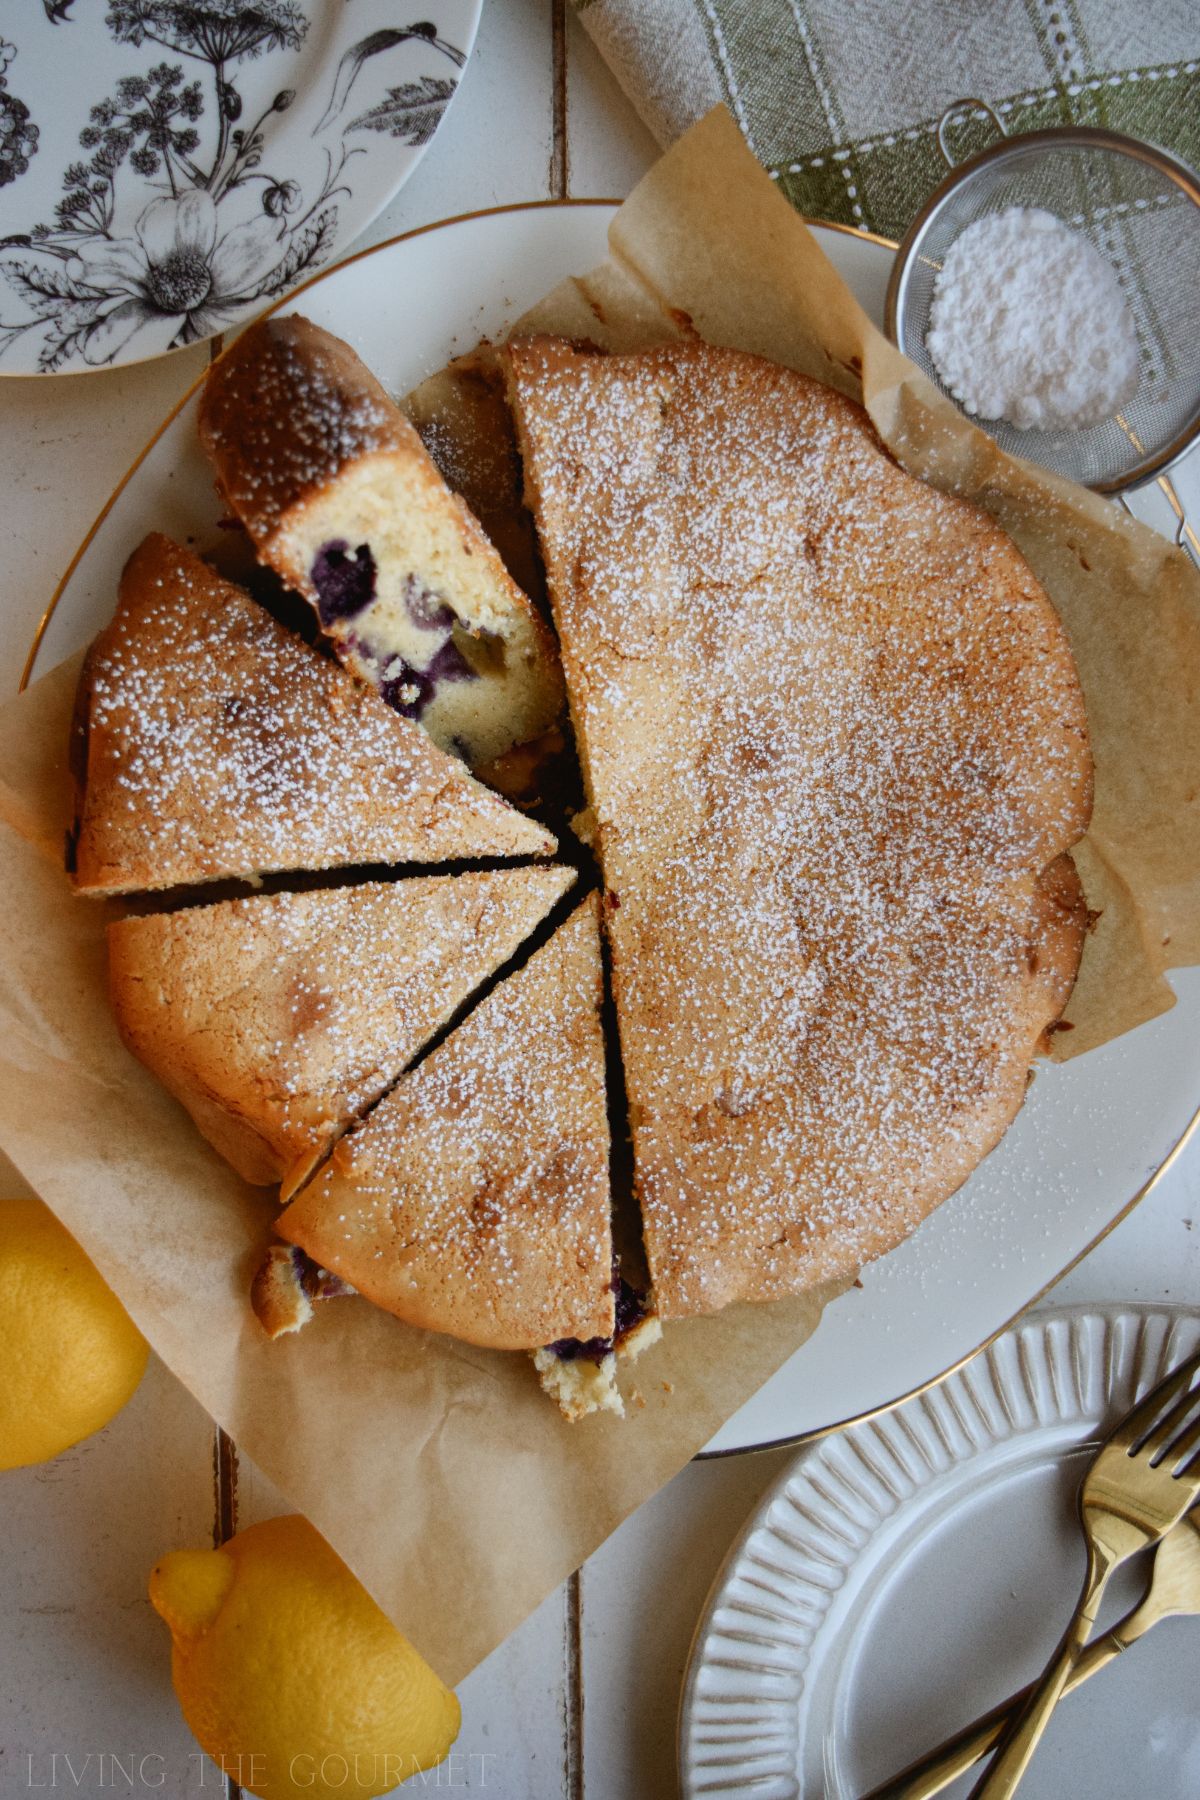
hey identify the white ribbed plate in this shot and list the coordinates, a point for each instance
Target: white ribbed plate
(906, 1574)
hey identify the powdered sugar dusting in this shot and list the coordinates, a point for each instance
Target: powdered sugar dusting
(297, 1011)
(833, 735)
(219, 744)
(474, 1198)
(288, 407)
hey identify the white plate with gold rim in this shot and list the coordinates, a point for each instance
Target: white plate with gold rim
(1092, 1133)
(907, 1575)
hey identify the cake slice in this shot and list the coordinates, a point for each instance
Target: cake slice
(581, 1377)
(288, 1286)
(211, 742)
(836, 753)
(277, 1020)
(463, 418)
(474, 1200)
(342, 500)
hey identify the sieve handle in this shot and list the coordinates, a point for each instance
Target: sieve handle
(956, 106)
(1185, 531)
(1186, 537)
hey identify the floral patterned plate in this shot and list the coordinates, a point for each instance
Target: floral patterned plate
(170, 167)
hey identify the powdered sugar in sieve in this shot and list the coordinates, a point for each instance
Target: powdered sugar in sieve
(1028, 323)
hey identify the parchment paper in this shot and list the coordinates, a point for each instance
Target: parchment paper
(440, 1473)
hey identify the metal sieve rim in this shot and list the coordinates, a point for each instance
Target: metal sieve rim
(1082, 136)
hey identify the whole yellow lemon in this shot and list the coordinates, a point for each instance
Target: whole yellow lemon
(290, 1676)
(70, 1355)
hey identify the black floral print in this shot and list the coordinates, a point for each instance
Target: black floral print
(217, 231)
(18, 133)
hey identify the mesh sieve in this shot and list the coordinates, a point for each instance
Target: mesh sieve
(1141, 210)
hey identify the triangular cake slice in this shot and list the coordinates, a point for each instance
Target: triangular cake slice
(836, 752)
(211, 742)
(277, 1020)
(341, 498)
(474, 1200)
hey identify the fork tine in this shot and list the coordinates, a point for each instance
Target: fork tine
(1173, 1421)
(1137, 1423)
(1182, 1447)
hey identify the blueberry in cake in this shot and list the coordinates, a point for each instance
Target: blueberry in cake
(278, 1019)
(210, 742)
(342, 500)
(474, 1199)
(836, 755)
(581, 1375)
(465, 423)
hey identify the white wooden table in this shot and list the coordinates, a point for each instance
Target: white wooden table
(583, 1697)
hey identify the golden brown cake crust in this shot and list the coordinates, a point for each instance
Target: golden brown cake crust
(464, 421)
(285, 1287)
(284, 410)
(212, 742)
(277, 1293)
(836, 751)
(277, 1020)
(474, 1200)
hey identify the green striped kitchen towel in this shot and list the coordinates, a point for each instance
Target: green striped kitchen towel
(840, 99)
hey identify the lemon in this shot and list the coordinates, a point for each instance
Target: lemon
(70, 1355)
(290, 1676)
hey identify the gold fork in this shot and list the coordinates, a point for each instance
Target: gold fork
(1143, 1480)
(1174, 1589)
